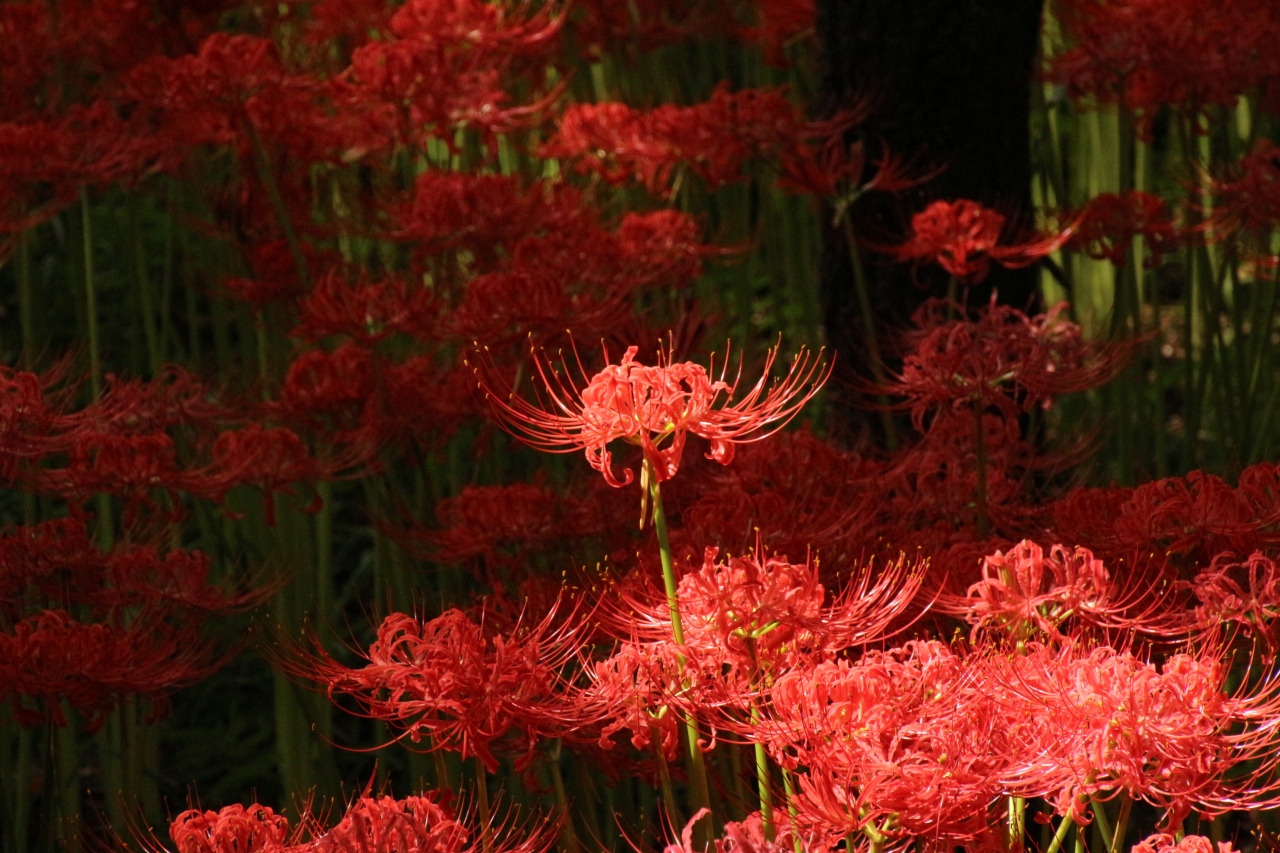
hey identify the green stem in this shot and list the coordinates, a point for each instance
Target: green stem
(1061, 835)
(701, 791)
(1103, 822)
(1017, 822)
(568, 835)
(789, 791)
(763, 785)
(1122, 823)
(664, 781)
(869, 330)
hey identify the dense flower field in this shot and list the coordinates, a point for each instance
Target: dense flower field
(311, 309)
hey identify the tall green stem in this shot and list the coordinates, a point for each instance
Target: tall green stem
(701, 791)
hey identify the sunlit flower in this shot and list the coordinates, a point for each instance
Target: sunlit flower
(655, 408)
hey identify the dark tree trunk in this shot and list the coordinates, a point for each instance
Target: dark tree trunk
(950, 81)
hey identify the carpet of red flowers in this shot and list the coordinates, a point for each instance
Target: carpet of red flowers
(304, 300)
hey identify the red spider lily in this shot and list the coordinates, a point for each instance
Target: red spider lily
(636, 688)
(1246, 592)
(1250, 199)
(275, 460)
(1022, 591)
(757, 615)
(444, 65)
(906, 742)
(483, 213)
(445, 682)
(746, 836)
(233, 829)
(1149, 53)
(715, 139)
(1093, 721)
(388, 825)
(782, 23)
(646, 406)
(366, 311)
(599, 27)
(1165, 843)
(52, 656)
(796, 493)
(963, 237)
(1107, 226)
(32, 421)
(487, 521)
(1001, 359)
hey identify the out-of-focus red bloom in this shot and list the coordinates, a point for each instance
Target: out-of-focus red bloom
(1151, 53)
(94, 666)
(1250, 199)
(716, 140)
(963, 237)
(488, 521)
(445, 682)
(232, 829)
(1105, 229)
(782, 23)
(366, 311)
(483, 213)
(1001, 359)
(651, 406)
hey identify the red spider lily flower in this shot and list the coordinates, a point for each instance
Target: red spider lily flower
(387, 825)
(963, 237)
(93, 666)
(232, 829)
(1000, 359)
(647, 406)
(367, 311)
(483, 213)
(746, 836)
(757, 616)
(275, 460)
(33, 423)
(1250, 199)
(1147, 54)
(636, 688)
(1089, 722)
(716, 139)
(906, 742)
(446, 682)
(1246, 592)
(1023, 590)
(1107, 226)
(1164, 843)
(493, 521)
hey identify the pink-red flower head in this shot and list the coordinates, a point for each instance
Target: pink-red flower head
(654, 407)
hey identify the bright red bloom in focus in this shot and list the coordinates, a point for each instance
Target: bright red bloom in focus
(963, 237)
(646, 406)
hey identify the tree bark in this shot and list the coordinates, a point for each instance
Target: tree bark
(950, 85)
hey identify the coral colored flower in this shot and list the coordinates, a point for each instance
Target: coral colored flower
(233, 829)
(963, 237)
(1024, 590)
(1163, 843)
(445, 681)
(654, 406)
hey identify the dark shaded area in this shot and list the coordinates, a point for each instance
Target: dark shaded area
(951, 86)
